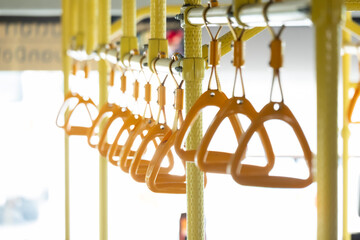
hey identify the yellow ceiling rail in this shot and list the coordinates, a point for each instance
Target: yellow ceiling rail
(141, 14)
(352, 26)
(352, 5)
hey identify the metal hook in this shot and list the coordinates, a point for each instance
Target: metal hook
(174, 58)
(265, 15)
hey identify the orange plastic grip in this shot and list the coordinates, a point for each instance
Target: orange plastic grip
(86, 70)
(279, 111)
(136, 90)
(276, 59)
(75, 130)
(106, 108)
(179, 99)
(209, 98)
(112, 77)
(239, 53)
(123, 83)
(147, 92)
(352, 104)
(214, 3)
(74, 68)
(215, 53)
(130, 121)
(157, 131)
(162, 96)
(164, 183)
(233, 106)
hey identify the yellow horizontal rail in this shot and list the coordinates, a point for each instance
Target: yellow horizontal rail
(141, 14)
(352, 5)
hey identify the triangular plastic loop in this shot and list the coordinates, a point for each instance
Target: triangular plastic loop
(233, 106)
(279, 111)
(209, 98)
(352, 104)
(74, 130)
(156, 131)
(103, 145)
(165, 182)
(106, 108)
(115, 148)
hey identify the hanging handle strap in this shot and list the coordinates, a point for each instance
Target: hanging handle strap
(276, 57)
(215, 52)
(239, 59)
(178, 96)
(161, 89)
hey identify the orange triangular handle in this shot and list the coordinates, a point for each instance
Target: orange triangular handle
(165, 182)
(233, 106)
(208, 98)
(157, 131)
(104, 146)
(74, 130)
(161, 182)
(352, 103)
(107, 108)
(115, 148)
(144, 124)
(279, 111)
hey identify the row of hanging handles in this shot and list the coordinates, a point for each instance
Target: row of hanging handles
(159, 178)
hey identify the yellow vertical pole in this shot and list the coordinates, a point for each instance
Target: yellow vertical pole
(327, 19)
(66, 37)
(193, 73)
(157, 42)
(91, 19)
(81, 24)
(103, 39)
(74, 18)
(346, 64)
(128, 24)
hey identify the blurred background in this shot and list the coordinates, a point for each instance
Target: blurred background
(32, 147)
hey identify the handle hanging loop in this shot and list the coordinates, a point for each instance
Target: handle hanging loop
(178, 95)
(239, 60)
(215, 52)
(276, 58)
(161, 89)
